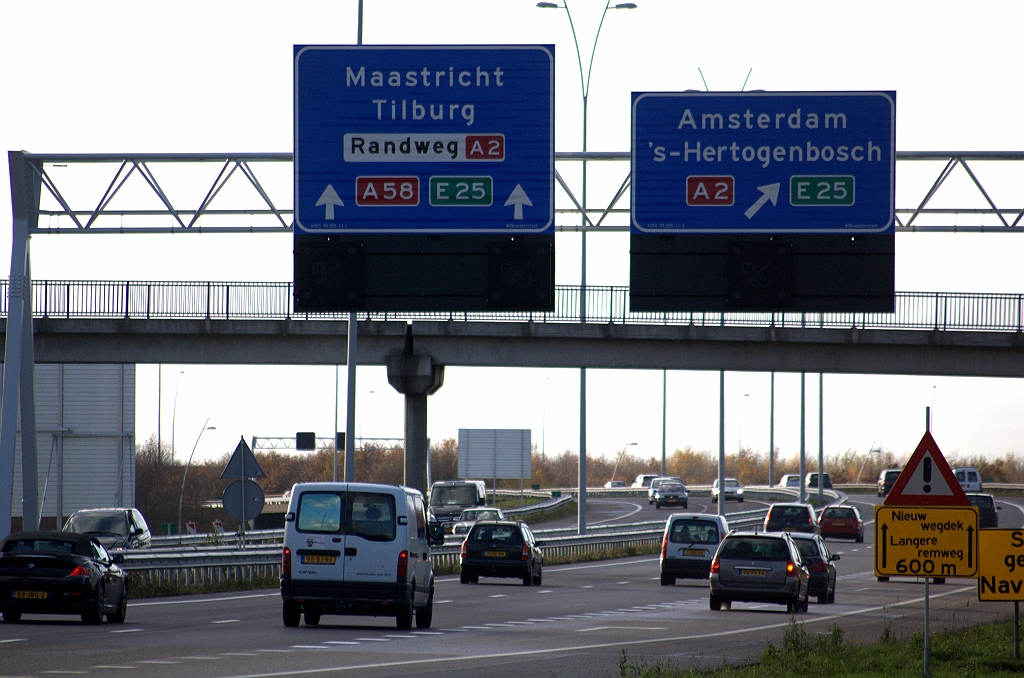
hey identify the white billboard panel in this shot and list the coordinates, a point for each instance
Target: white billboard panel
(495, 453)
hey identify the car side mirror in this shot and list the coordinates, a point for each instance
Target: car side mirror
(999, 508)
(835, 557)
(289, 517)
(436, 535)
(117, 558)
(137, 532)
(539, 543)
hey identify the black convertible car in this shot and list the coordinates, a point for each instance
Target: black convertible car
(60, 573)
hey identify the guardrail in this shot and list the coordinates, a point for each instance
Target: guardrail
(605, 304)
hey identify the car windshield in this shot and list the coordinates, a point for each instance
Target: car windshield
(808, 549)
(981, 500)
(99, 523)
(731, 482)
(788, 515)
(670, 487)
(841, 513)
(693, 531)
(496, 533)
(460, 495)
(38, 546)
(891, 476)
(754, 548)
(479, 514)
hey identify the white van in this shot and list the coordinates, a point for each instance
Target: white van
(357, 549)
(968, 477)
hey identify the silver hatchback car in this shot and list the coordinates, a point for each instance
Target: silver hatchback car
(759, 568)
(689, 544)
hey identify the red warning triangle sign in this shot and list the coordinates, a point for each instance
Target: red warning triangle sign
(927, 480)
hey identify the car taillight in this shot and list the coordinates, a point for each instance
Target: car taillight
(403, 564)
(664, 546)
(790, 569)
(526, 552)
(715, 566)
(80, 571)
(462, 554)
(819, 567)
(286, 561)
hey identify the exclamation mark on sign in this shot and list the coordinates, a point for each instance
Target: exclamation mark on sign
(927, 471)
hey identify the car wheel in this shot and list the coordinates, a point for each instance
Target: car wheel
(939, 580)
(404, 618)
(883, 579)
(474, 579)
(804, 606)
(657, 506)
(668, 580)
(860, 539)
(425, 615)
(463, 578)
(715, 603)
(740, 500)
(539, 578)
(832, 595)
(122, 608)
(291, 614)
(11, 616)
(685, 506)
(95, 616)
(312, 618)
(528, 579)
(823, 598)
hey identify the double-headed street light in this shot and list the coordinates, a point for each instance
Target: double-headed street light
(184, 479)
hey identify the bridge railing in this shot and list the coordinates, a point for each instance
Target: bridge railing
(605, 304)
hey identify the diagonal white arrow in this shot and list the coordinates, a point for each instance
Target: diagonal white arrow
(768, 192)
(330, 198)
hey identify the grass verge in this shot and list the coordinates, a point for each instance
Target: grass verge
(564, 511)
(984, 650)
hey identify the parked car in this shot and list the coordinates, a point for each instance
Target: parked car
(615, 483)
(644, 480)
(114, 528)
(842, 522)
(357, 549)
(449, 498)
(986, 503)
(812, 481)
(759, 568)
(791, 518)
(469, 518)
(969, 478)
(886, 479)
(671, 494)
(790, 480)
(689, 545)
(501, 549)
(819, 564)
(658, 481)
(733, 490)
(61, 573)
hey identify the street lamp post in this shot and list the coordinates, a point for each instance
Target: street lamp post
(184, 479)
(585, 90)
(619, 458)
(174, 410)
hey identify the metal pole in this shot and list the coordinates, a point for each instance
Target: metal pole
(927, 635)
(29, 459)
(771, 436)
(1016, 630)
(664, 392)
(803, 436)
(821, 438)
(159, 410)
(581, 518)
(350, 404)
(721, 442)
(335, 423)
(928, 419)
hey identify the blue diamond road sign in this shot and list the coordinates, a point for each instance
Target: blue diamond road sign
(760, 162)
(425, 139)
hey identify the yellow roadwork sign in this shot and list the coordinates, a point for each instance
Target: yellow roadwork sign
(1001, 565)
(926, 541)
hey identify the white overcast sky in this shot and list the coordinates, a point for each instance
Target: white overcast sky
(209, 76)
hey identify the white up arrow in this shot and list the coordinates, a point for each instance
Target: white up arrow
(330, 198)
(768, 192)
(518, 198)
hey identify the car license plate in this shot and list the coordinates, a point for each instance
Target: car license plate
(318, 560)
(752, 573)
(671, 500)
(693, 552)
(494, 554)
(31, 595)
(838, 524)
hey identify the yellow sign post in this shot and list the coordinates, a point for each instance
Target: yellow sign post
(926, 541)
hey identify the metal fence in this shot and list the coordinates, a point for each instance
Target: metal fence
(605, 304)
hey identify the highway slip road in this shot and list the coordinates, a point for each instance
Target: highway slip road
(575, 625)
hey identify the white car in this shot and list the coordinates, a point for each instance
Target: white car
(612, 484)
(644, 480)
(469, 517)
(968, 477)
(790, 480)
(733, 490)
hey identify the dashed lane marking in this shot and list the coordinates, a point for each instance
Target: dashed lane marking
(310, 647)
(126, 631)
(189, 601)
(275, 650)
(239, 654)
(497, 595)
(158, 661)
(340, 642)
(14, 640)
(540, 592)
(427, 633)
(226, 621)
(441, 602)
(622, 628)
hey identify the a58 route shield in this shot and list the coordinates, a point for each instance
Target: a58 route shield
(926, 541)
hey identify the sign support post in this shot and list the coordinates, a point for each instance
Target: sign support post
(1016, 630)
(927, 634)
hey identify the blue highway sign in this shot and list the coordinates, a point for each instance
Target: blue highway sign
(763, 162)
(425, 139)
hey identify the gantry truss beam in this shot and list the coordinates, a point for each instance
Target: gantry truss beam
(252, 192)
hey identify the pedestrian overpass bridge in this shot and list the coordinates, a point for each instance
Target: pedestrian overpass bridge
(930, 333)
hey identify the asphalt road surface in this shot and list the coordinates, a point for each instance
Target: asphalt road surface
(577, 624)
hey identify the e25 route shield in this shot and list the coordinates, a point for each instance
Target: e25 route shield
(424, 139)
(763, 162)
(926, 541)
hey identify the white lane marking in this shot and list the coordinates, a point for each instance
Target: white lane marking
(427, 633)
(572, 568)
(14, 640)
(538, 621)
(158, 661)
(239, 654)
(479, 628)
(504, 626)
(275, 650)
(375, 640)
(340, 642)
(276, 594)
(310, 647)
(622, 628)
(226, 621)
(497, 595)
(198, 657)
(637, 508)
(441, 602)
(400, 636)
(540, 592)
(589, 586)
(113, 666)
(126, 631)
(595, 646)
(620, 583)
(521, 623)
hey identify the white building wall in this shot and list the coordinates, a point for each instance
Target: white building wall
(85, 423)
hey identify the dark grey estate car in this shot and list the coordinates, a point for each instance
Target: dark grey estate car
(759, 568)
(114, 528)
